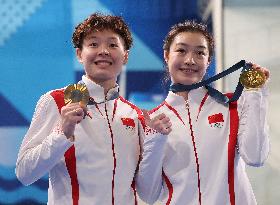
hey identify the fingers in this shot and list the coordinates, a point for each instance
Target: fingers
(71, 115)
(264, 70)
(166, 128)
(160, 117)
(78, 112)
(167, 131)
(161, 123)
(83, 106)
(73, 112)
(146, 116)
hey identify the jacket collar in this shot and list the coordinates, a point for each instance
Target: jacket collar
(194, 96)
(97, 92)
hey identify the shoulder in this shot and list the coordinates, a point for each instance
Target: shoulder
(136, 110)
(50, 98)
(131, 105)
(58, 97)
(58, 93)
(157, 109)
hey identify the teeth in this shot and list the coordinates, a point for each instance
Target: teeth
(103, 63)
(188, 70)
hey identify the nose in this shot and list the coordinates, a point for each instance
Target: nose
(189, 60)
(103, 51)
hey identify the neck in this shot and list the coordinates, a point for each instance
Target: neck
(107, 84)
(184, 94)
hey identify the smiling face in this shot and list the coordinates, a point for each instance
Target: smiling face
(187, 58)
(103, 55)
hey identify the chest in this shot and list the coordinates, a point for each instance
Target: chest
(110, 131)
(203, 129)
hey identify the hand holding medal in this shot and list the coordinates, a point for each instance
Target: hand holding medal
(254, 77)
(77, 93)
(76, 97)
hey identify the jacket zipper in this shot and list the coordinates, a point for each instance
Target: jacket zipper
(194, 148)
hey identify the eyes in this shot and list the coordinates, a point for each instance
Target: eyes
(180, 50)
(113, 45)
(93, 45)
(183, 51)
(96, 44)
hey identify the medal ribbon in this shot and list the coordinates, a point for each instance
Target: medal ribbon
(217, 95)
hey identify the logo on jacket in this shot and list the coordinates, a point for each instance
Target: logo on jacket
(216, 120)
(128, 123)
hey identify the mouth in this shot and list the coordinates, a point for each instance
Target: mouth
(188, 70)
(103, 62)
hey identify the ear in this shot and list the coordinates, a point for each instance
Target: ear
(126, 54)
(79, 55)
(166, 56)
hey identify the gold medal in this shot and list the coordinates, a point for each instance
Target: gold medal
(252, 78)
(76, 93)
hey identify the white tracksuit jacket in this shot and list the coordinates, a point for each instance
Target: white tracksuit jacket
(202, 160)
(99, 166)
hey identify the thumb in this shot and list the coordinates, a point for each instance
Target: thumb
(146, 116)
(84, 107)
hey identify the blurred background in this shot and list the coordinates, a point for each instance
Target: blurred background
(36, 55)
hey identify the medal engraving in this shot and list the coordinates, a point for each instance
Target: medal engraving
(76, 93)
(252, 78)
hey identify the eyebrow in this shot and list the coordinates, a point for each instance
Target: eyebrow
(93, 37)
(184, 44)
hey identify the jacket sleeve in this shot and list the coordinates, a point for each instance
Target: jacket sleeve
(253, 141)
(149, 175)
(43, 145)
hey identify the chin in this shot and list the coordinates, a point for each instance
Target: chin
(188, 82)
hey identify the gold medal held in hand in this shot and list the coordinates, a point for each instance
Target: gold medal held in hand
(252, 78)
(76, 93)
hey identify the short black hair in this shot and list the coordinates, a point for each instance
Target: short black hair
(99, 22)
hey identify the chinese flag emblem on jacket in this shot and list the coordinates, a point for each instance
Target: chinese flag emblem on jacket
(128, 122)
(216, 120)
